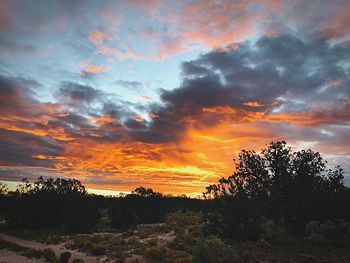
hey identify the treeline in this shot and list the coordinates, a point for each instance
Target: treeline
(274, 192)
(64, 204)
(144, 206)
(51, 203)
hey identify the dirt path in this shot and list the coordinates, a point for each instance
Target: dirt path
(9, 256)
(13, 257)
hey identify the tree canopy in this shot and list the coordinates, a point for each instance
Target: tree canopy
(277, 183)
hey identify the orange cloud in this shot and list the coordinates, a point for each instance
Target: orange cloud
(91, 69)
(97, 37)
(96, 68)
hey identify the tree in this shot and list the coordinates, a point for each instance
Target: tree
(54, 203)
(294, 187)
(144, 192)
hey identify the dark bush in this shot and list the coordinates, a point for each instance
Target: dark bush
(213, 250)
(157, 253)
(98, 250)
(50, 255)
(65, 256)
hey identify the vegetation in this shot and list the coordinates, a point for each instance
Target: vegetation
(144, 206)
(289, 188)
(51, 203)
(65, 256)
(30, 253)
(50, 255)
(278, 206)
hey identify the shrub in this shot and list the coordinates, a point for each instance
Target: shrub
(98, 250)
(213, 250)
(49, 255)
(96, 238)
(315, 238)
(83, 244)
(263, 243)
(184, 260)
(144, 232)
(328, 229)
(65, 256)
(157, 253)
(273, 232)
(153, 242)
(33, 253)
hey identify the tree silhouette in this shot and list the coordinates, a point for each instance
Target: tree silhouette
(54, 203)
(293, 187)
(144, 192)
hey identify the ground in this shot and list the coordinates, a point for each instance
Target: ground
(175, 241)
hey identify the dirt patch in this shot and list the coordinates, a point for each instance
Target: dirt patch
(58, 249)
(13, 257)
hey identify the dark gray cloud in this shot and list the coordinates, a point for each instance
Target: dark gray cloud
(16, 94)
(134, 85)
(78, 92)
(20, 148)
(282, 74)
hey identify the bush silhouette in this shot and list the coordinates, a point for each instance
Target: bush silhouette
(65, 256)
(50, 255)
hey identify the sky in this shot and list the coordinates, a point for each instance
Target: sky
(164, 94)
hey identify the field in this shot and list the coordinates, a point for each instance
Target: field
(179, 240)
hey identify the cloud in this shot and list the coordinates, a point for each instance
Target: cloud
(279, 87)
(136, 85)
(89, 68)
(276, 77)
(77, 92)
(97, 37)
(24, 149)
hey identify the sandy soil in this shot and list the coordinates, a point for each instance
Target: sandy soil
(10, 257)
(13, 257)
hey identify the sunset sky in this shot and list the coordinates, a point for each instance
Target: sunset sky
(164, 94)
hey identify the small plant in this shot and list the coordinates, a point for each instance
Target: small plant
(213, 250)
(263, 243)
(273, 232)
(152, 242)
(50, 255)
(328, 229)
(33, 253)
(83, 244)
(65, 256)
(157, 253)
(315, 238)
(98, 250)
(184, 260)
